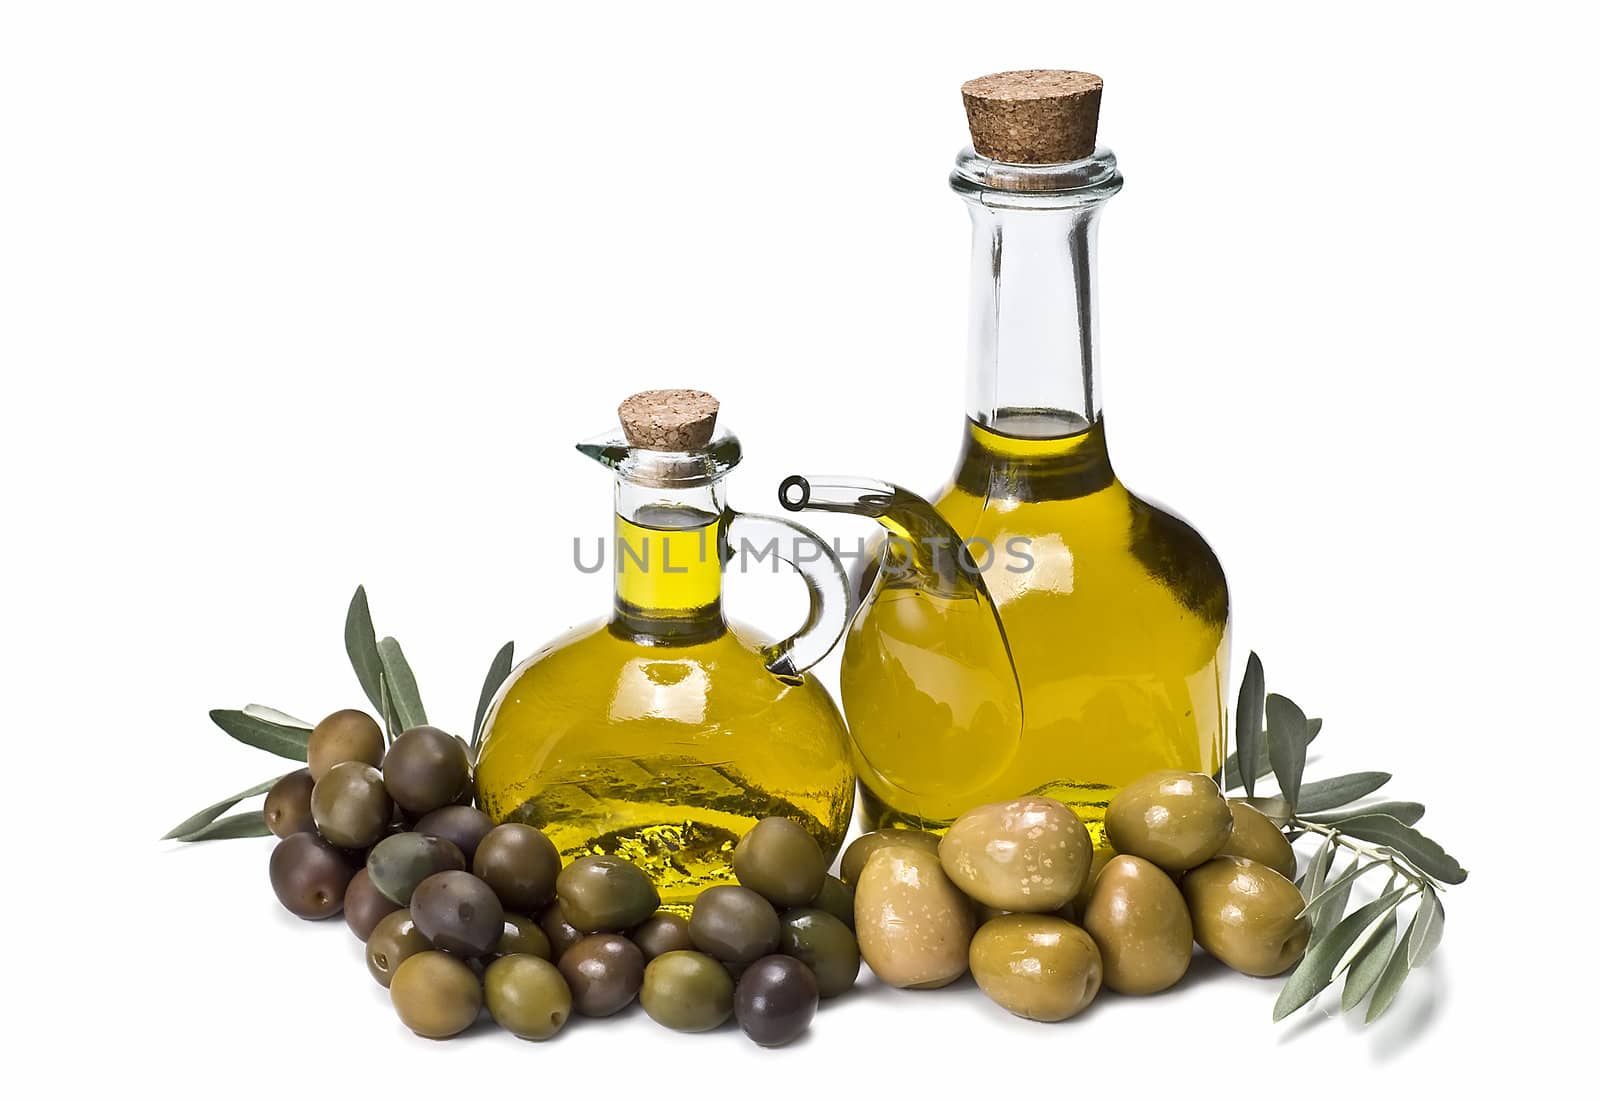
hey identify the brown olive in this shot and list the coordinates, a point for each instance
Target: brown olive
(861, 849)
(309, 876)
(1176, 820)
(288, 806)
(1140, 923)
(662, 934)
(781, 862)
(350, 806)
(775, 1000)
(604, 972)
(558, 930)
(436, 995)
(395, 940)
(343, 736)
(734, 925)
(604, 893)
(365, 906)
(458, 913)
(520, 864)
(463, 827)
(425, 769)
(1255, 837)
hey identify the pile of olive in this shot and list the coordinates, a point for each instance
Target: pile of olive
(459, 914)
(1016, 893)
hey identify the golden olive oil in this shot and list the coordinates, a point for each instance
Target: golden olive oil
(1116, 615)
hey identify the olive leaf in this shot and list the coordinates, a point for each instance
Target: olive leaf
(1263, 766)
(391, 725)
(1393, 977)
(1273, 807)
(1316, 971)
(1326, 895)
(1286, 744)
(1337, 791)
(206, 815)
(361, 643)
(1370, 962)
(1407, 813)
(1429, 924)
(1331, 903)
(499, 670)
(1424, 852)
(1247, 722)
(402, 685)
(273, 715)
(1317, 871)
(285, 741)
(250, 823)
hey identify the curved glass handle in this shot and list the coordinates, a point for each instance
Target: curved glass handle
(825, 580)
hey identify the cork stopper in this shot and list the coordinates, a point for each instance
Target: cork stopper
(669, 420)
(1034, 116)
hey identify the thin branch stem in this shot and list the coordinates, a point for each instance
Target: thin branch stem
(1396, 861)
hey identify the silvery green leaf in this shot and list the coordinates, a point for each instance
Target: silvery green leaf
(285, 741)
(1393, 977)
(1287, 738)
(1273, 807)
(391, 725)
(1370, 962)
(1408, 813)
(1429, 924)
(361, 643)
(205, 816)
(1247, 720)
(499, 670)
(273, 715)
(1320, 795)
(1263, 766)
(1317, 871)
(251, 823)
(1316, 970)
(1422, 851)
(1331, 902)
(402, 684)
(1325, 894)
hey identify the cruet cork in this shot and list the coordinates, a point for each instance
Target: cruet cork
(1033, 116)
(669, 420)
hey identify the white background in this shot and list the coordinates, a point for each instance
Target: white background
(300, 295)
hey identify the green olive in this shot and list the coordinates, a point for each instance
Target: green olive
(662, 934)
(394, 940)
(1036, 966)
(1176, 820)
(521, 864)
(436, 995)
(425, 769)
(781, 862)
(521, 936)
(687, 991)
(734, 925)
(1247, 915)
(1140, 923)
(861, 849)
(309, 876)
(826, 945)
(365, 905)
(351, 806)
(288, 806)
(343, 736)
(1030, 855)
(463, 827)
(402, 860)
(928, 950)
(604, 972)
(838, 899)
(527, 996)
(603, 893)
(1255, 837)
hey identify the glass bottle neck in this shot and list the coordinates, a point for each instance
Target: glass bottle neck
(667, 552)
(1033, 365)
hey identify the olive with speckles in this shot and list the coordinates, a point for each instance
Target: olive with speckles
(929, 951)
(861, 849)
(1030, 855)
(1141, 925)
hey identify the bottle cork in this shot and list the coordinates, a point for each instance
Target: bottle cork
(669, 420)
(1033, 116)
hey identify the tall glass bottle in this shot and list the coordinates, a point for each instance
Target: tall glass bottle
(658, 733)
(1114, 611)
